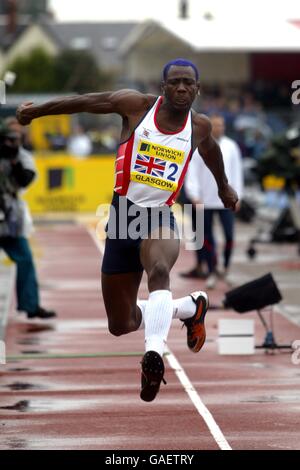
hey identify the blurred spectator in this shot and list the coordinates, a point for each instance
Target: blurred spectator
(260, 144)
(201, 188)
(106, 140)
(13, 124)
(57, 140)
(111, 139)
(17, 171)
(79, 143)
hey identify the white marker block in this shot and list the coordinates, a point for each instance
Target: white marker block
(236, 337)
(2, 353)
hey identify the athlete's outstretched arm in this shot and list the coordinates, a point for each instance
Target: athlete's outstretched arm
(123, 102)
(211, 153)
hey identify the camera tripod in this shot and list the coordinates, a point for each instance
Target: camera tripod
(269, 343)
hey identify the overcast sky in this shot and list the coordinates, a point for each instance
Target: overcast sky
(111, 10)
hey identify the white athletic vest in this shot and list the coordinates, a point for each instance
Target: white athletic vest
(151, 165)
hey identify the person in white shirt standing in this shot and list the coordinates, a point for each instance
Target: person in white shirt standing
(79, 143)
(201, 188)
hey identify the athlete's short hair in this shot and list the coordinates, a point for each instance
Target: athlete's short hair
(181, 63)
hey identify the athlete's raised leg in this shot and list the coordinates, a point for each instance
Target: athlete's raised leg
(120, 299)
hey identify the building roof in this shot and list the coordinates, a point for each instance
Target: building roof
(7, 40)
(219, 35)
(102, 39)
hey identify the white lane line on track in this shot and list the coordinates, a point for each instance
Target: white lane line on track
(197, 402)
(185, 381)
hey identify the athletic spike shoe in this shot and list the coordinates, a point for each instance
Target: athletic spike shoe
(196, 333)
(153, 370)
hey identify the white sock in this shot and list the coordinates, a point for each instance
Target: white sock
(158, 319)
(182, 308)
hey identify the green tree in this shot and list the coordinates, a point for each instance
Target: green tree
(35, 73)
(69, 72)
(78, 71)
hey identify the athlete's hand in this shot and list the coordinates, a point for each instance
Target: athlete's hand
(25, 113)
(229, 197)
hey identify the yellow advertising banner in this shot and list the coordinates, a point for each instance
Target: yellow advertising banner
(43, 128)
(67, 184)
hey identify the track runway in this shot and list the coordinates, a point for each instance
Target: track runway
(69, 384)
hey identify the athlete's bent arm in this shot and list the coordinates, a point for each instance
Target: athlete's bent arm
(123, 102)
(211, 153)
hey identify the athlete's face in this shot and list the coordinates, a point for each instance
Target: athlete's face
(181, 87)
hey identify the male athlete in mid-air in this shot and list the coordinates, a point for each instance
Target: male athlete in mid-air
(159, 136)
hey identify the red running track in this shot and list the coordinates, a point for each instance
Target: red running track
(93, 403)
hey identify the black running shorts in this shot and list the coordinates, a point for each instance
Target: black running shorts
(127, 227)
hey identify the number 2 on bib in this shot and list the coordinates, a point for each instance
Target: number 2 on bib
(174, 169)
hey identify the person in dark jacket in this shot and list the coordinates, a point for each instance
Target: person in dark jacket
(17, 171)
